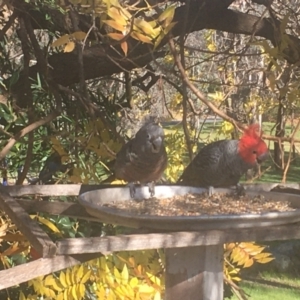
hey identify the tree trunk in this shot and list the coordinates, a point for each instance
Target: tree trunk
(280, 126)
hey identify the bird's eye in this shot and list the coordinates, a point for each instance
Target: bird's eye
(254, 151)
(148, 136)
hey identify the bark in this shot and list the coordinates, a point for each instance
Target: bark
(103, 59)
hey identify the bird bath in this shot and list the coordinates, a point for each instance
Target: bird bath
(194, 262)
(93, 201)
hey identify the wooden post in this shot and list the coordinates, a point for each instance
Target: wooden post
(35, 235)
(194, 273)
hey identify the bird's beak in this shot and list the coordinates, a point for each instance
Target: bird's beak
(156, 143)
(262, 157)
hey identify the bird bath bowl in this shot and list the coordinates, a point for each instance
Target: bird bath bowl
(93, 202)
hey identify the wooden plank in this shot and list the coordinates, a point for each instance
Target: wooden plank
(40, 267)
(267, 186)
(175, 239)
(194, 273)
(77, 189)
(36, 236)
(52, 190)
(73, 210)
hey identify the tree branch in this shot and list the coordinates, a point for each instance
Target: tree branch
(199, 94)
(26, 130)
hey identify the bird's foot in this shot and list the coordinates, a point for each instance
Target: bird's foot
(240, 190)
(151, 186)
(211, 191)
(132, 189)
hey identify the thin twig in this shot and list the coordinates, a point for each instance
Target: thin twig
(8, 24)
(199, 94)
(29, 96)
(5, 132)
(25, 131)
(161, 85)
(112, 153)
(238, 291)
(287, 165)
(28, 159)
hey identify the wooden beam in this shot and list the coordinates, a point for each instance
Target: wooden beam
(40, 267)
(36, 236)
(52, 190)
(73, 210)
(194, 273)
(77, 189)
(131, 242)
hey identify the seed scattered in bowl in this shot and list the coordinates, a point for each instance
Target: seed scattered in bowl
(201, 204)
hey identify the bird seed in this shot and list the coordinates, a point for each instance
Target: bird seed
(201, 205)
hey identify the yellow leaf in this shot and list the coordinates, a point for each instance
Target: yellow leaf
(74, 292)
(67, 294)
(108, 276)
(116, 15)
(50, 294)
(115, 25)
(236, 278)
(79, 273)
(57, 285)
(60, 296)
(61, 41)
(124, 47)
(117, 275)
(101, 293)
(116, 36)
(49, 224)
(111, 296)
(156, 32)
(153, 278)
(86, 276)
(79, 35)
(262, 255)
(146, 289)
(125, 275)
(133, 282)
(167, 14)
(49, 280)
(131, 260)
(265, 260)
(69, 277)
(157, 296)
(118, 182)
(144, 26)
(3, 229)
(249, 262)
(80, 290)
(69, 47)
(141, 37)
(169, 27)
(158, 41)
(127, 15)
(62, 279)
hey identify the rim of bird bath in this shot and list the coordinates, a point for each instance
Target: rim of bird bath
(93, 201)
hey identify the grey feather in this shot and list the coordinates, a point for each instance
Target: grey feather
(216, 165)
(143, 158)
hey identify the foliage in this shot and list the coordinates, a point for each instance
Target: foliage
(243, 255)
(123, 23)
(244, 76)
(122, 276)
(175, 147)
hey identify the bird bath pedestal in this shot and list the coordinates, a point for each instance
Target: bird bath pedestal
(194, 245)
